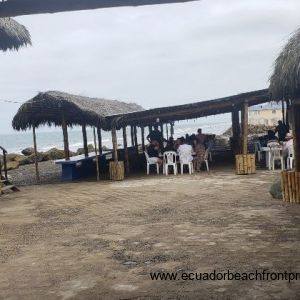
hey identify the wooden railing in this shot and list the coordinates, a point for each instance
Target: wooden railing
(4, 163)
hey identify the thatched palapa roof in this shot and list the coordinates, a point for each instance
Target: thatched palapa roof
(13, 35)
(47, 109)
(285, 81)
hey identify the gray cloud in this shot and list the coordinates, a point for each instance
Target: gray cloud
(156, 56)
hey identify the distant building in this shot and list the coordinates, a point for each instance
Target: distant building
(265, 114)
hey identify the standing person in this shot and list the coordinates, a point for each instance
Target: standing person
(201, 138)
(282, 130)
(155, 135)
(200, 152)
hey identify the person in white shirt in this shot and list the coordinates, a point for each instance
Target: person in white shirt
(287, 144)
(185, 151)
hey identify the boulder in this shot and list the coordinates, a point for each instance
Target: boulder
(55, 153)
(28, 151)
(276, 189)
(11, 156)
(91, 148)
(11, 165)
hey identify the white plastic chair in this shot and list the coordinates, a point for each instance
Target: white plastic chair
(149, 163)
(290, 158)
(169, 159)
(258, 150)
(205, 159)
(185, 159)
(276, 154)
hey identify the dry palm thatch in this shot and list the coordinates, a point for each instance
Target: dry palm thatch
(13, 35)
(285, 81)
(49, 107)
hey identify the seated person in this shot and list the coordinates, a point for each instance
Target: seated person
(282, 130)
(201, 138)
(170, 145)
(271, 137)
(185, 151)
(287, 144)
(153, 153)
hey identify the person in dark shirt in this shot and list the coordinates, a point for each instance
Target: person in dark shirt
(153, 153)
(170, 145)
(282, 130)
(155, 135)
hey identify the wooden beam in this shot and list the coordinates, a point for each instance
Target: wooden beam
(36, 163)
(96, 153)
(99, 140)
(296, 136)
(245, 128)
(14, 8)
(66, 138)
(126, 156)
(85, 144)
(114, 143)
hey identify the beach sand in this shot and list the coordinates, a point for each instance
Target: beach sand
(101, 240)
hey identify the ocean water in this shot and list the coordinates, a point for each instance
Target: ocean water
(48, 138)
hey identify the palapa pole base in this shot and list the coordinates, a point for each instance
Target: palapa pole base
(116, 170)
(290, 182)
(245, 164)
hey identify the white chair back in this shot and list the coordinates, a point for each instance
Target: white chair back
(275, 150)
(169, 157)
(257, 146)
(147, 156)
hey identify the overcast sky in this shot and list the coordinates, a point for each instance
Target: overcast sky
(153, 55)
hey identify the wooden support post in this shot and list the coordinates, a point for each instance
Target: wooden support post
(66, 138)
(135, 140)
(96, 153)
(114, 143)
(282, 108)
(85, 144)
(245, 128)
(126, 156)
(296, 136)
(116, 168)
(162, 129)
(99, 140)
(132, 135)
(37, 173)
(143, 137)
(236, 131)
(172, 129)
(167, 131)
(149, 128)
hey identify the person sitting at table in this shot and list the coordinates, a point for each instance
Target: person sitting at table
(199, 149)
(282, 130)
(170, 145)
(153, 153)
(271, 137)
(287, 144)
(185, 151)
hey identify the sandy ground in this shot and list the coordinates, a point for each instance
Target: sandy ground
(101, 240)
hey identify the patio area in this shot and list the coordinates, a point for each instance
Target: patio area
(101, 240)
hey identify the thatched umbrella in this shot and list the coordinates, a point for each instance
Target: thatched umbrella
(13, 35)
(285, 85)
(285, 81)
